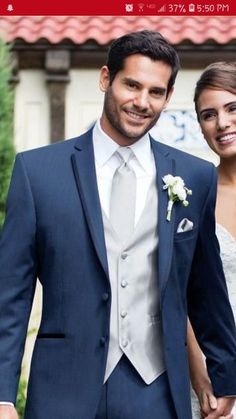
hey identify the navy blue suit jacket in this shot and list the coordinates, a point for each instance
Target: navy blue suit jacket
(54, 231)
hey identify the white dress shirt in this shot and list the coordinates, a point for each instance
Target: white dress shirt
(107, 161)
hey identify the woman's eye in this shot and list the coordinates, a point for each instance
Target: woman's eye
(208, 115)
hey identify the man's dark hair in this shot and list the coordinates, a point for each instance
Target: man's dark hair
(149, 43)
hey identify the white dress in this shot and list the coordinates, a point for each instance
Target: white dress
(228, 255)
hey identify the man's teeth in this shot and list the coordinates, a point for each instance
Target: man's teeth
(135, 115)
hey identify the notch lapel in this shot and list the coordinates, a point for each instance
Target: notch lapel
(85, 174)
(164, 166)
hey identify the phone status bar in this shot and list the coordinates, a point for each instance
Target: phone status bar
(119, 8)
(178, 8)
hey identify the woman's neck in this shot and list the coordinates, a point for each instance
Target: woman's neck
(227, 172)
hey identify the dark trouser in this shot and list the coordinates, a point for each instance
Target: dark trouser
(126, 396)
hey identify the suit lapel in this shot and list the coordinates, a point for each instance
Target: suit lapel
(84, 170)
(85, 175)
(164, 166)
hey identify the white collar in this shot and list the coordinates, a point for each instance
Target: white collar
(105, 148)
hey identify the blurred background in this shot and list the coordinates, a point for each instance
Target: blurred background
(56, 62)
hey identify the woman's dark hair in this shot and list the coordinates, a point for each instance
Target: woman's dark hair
(149, 43)
(216, 76)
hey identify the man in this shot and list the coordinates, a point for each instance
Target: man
(112, 339)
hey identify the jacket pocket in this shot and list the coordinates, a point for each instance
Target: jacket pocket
(186, 235)
(51, 336)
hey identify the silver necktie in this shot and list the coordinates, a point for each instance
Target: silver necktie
(123, 196)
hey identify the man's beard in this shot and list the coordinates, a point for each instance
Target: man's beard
(111, 114)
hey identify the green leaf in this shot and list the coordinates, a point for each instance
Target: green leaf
(7, 151)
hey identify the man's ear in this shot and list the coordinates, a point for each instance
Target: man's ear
(168, 97)
(104, 81)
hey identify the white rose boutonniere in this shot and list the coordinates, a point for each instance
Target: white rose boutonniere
(177, 192)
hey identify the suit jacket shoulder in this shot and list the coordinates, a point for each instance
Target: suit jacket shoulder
(180, 154)
(61, 147)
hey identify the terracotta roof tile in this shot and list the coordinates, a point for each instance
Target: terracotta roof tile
(102, 29)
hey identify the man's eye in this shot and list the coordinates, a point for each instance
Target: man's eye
(132, 85)
(157, 93)
(232, 108)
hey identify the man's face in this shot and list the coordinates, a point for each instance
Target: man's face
(136, 98)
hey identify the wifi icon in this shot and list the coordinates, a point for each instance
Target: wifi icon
(141, 7)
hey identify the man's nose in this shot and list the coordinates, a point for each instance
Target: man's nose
(141, 100)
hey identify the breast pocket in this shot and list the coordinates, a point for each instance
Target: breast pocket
(183, 251)
(187, 235)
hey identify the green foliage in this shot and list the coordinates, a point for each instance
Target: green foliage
(21, 398)
(6, 126)
(7, 154)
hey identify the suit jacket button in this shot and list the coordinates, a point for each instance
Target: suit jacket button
(105, 296)
(102, 341)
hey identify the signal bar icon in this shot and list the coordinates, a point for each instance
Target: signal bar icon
(162, 9)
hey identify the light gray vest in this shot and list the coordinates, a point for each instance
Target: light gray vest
(135, 328)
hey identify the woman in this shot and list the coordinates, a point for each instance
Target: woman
(215, 104)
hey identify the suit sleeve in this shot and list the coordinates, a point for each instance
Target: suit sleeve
(18, 272)
(208, 305)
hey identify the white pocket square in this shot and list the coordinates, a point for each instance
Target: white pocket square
(184, 225)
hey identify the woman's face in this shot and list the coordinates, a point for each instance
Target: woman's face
(217, 117)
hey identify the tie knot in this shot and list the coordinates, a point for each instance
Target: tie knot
(125, 154)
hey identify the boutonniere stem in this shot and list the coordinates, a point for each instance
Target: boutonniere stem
(177, 192)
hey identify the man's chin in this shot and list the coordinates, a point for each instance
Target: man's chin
(133, 138)
(129, 135)
(135, 134)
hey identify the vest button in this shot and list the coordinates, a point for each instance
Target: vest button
(124, 283)
(123, 314)
(124, 256)
(124, 343)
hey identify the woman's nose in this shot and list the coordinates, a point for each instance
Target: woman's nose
(223, 121)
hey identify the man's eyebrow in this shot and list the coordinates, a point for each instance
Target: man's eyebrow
(157, 89)
(130, 80)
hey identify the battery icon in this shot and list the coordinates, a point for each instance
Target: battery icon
(191, 7)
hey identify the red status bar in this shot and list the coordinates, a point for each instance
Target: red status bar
(118, 8)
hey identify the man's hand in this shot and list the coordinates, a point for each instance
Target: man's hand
(223, 410)
(8, 412)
